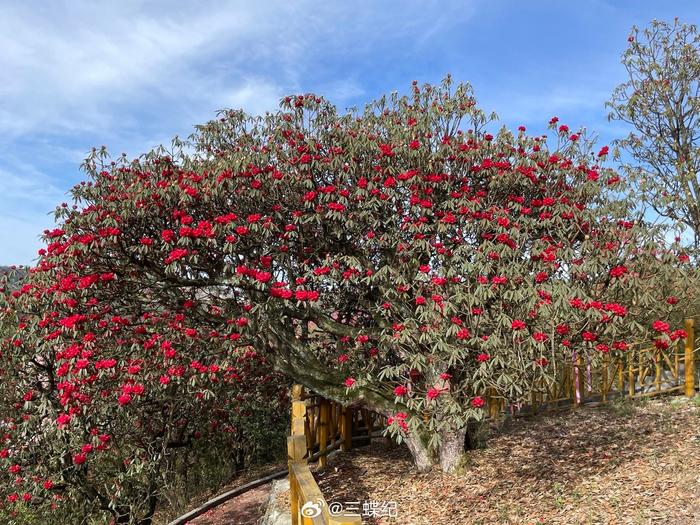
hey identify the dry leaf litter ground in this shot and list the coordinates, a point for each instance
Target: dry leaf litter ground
(626, 463)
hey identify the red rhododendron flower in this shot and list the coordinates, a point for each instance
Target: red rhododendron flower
(176, 255)
(400, 391)
(434, 393)
(463, 333)
(618, 271)
(589, 336)
(660, 326)
(517, 324)
(540, 337)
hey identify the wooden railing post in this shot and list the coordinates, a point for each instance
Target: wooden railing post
(296, 452)
(346, 430)
(298, 411)
(630, 374)
(324, 412)
(579, 381)
(492, 404)
(296, 448)
(690, 358)
(620, 376)
(604, 378)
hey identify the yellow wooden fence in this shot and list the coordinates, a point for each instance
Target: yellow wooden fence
(320, 426)
(641, 371)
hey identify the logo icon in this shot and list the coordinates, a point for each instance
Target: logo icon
(311, 509)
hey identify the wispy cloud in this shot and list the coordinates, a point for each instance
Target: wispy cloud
(134, 73)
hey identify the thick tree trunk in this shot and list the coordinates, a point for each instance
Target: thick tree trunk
(451, 448)
(421, 455)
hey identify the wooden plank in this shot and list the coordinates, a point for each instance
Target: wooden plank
(293, 498)
(296, 448)
(657, 370)
(323, 433)
(620, 375)
(580, 393)
(630, 375)
(346, 430)
(689, 359)
(308, 488)
(604, 378)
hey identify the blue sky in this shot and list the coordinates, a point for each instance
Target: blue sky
(131, 74)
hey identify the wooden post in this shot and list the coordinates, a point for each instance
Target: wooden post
(580, 380)
(323, 432)
(657, 369)
(298, 418)
(493, 403)
(297, 392)
(620, 376)
(690, 358)
(296, 452)
(307, 432)
(294, 500)
(604, 378)
(346, 430)
(630, 374)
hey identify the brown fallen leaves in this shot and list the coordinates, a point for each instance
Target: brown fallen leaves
(627, 464)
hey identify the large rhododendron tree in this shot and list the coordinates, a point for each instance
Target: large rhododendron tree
(96, 422)
(402, 258)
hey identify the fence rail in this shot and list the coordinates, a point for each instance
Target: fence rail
(320, 426)
(642, 371)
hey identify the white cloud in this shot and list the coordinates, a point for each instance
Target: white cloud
(27, 197)
(255, 95)
(78, 73)
(65, 67)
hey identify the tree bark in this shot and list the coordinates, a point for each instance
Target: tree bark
(421, 455)
(451, 448)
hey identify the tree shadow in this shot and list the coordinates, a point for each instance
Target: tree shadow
(532, 457)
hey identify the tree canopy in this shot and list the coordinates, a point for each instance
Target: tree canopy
(403, 258)
(660, 100)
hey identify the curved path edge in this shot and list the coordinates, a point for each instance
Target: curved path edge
(222, 498)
